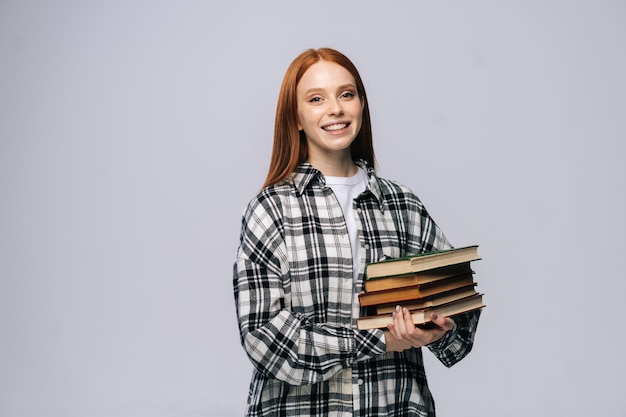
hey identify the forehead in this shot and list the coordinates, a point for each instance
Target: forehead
(325, 75)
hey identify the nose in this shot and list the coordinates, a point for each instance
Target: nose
(335, 108)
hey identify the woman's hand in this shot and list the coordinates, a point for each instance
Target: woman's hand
(402, 334)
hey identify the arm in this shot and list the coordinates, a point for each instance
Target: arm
(456, 341)
(281, 343)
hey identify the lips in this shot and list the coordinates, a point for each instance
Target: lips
(335, 127)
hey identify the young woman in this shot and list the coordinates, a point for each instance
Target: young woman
(322, 214)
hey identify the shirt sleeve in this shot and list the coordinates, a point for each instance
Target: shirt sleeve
(427, 236)
(458, 342)
(280, 343)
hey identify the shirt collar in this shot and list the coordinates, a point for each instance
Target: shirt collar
(306, 175)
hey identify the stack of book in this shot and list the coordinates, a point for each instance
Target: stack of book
(440, 282)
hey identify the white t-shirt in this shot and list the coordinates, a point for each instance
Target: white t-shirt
(346, 189)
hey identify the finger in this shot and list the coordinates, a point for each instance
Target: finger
(392, 326)
(408, 321)
(445, 323)
(395, 324)
(399, 321)
(409, 329)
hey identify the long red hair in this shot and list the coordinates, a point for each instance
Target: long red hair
(290, 146)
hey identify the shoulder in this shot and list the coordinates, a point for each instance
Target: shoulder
(266, 209)
(389, 192)
(395, 193)
(394, 187)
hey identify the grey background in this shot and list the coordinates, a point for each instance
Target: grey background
(133, 133)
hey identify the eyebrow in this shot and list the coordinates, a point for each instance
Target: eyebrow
(341, 87)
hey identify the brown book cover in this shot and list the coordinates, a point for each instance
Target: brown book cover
(422, 317)
(423, 277)
(428, 302)
(398, 295)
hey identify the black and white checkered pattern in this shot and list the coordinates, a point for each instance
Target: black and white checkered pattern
(297, 308)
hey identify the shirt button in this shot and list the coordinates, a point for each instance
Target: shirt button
(360, 381)
(358, 210)
(367, 246)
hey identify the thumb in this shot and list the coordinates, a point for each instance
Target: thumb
(445, 323)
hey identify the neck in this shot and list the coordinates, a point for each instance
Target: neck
(335, 167)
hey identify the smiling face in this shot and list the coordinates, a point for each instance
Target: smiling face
(329, 110)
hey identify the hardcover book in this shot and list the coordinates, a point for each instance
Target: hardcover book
(421, 262)
(422, 317)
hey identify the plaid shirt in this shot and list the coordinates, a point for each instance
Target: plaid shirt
(296, 307)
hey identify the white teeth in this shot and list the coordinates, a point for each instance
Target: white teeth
(337, 126)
